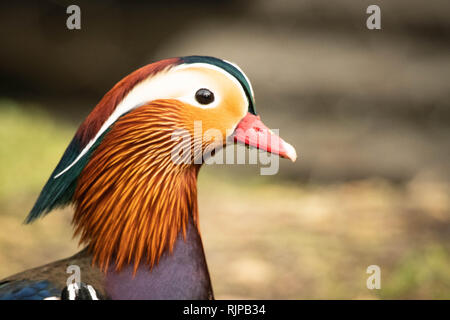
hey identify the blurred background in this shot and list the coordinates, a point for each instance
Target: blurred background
(367, 110)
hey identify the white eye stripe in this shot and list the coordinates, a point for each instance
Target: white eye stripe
(192, 101)
(213, 67)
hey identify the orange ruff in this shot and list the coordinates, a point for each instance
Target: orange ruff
(131, 199)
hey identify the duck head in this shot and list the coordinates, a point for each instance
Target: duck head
(131, 198)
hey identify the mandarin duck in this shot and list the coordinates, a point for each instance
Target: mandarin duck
(135, 206)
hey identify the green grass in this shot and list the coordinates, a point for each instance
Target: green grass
(31, 144)
(423, 272)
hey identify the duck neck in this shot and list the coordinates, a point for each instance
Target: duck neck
(182, 274)
(138, 220)
(151, 251)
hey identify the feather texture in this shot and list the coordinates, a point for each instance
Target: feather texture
(132, 200)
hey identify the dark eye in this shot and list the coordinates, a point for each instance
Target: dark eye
(204, 96)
